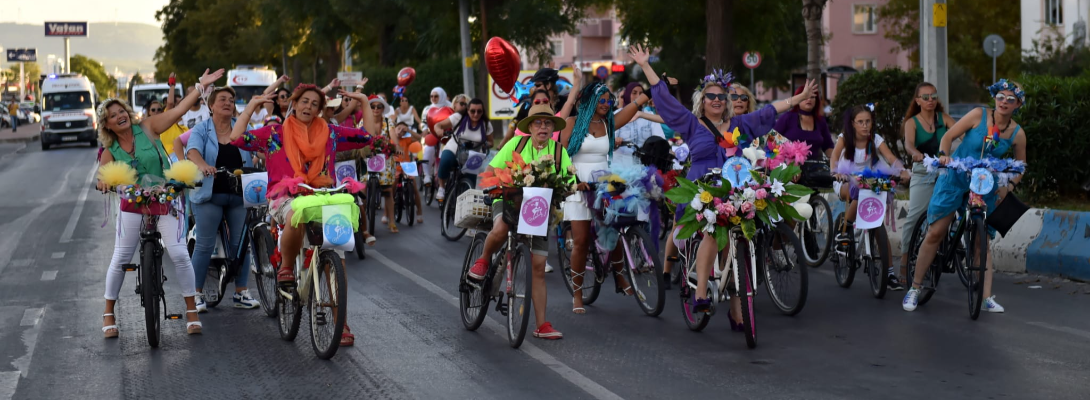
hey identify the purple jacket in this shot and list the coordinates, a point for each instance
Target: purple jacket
(705, 153)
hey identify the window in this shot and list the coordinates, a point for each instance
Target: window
(1054, 12)
(862, 63)
(558, 47)
(864, 18)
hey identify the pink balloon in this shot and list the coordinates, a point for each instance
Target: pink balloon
(437, 115)
(503, 62)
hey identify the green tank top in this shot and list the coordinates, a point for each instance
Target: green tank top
(148, 155)
(928, 142)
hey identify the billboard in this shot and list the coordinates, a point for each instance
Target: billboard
(62, 29)
(22, 55)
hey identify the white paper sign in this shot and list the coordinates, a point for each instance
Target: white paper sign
(474, 163)
(535, 212)
(872, 209)
(409, 168)
(345, 169)
(255, 187)
(377, 163)
(337, 230)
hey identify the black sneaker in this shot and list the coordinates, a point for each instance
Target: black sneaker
(894, 283)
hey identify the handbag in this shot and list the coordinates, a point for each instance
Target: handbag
(1006, 214)
(816, 174)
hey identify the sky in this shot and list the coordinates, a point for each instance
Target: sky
(38, 11)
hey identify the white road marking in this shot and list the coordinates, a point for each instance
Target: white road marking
(49, 275)
(9, 380)
(1077, 332)
(593, 388)
(8, 247)
(32, 316)
(58, 254)
(22, 263)
(72, 220)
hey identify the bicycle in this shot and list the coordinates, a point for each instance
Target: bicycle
(322, 298)
(949, 257)
(513, 282)
(874, 254)
(457, 184)
(815, 233)
(404, 199)
(778, 262)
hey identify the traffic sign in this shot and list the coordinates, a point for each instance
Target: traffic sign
(21, 55)
(349, 79)
(601, 72)
(938, 15)
(751, 59)
(994, 45)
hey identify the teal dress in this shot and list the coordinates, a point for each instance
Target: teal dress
(951, 188)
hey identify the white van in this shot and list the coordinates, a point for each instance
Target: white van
(249, 81)
(141, 94)
(68, 110)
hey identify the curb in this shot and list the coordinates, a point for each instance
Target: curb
(21, 140)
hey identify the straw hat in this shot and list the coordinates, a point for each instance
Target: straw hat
(541, 111)
(334, 103)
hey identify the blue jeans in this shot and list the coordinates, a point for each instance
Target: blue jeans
(208, 216)
(447, 163)
(14, 122)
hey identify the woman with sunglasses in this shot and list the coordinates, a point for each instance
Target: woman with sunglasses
(406, 113)
(987, 133)
(472, 128)
(924, 127)
(704, 129)
(388, 177)
(155, 107)
(438, 99)
(544, 80)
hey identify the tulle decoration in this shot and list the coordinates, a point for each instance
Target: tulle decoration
(1003, 168)
(117, 173)
(353, 185)
(620, 197)
(184, 171)
(286, 186)
(791, 152)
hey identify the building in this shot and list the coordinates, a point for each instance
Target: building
(855, 39)
(598, 43)
(1043, 19)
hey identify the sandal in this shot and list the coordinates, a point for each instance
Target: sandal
(575, 288)
(347, 338)
(370, 241)
(193, 327)
(393, 228)
(110, 331)
(420, 219)
(285, 276)
(618, 277)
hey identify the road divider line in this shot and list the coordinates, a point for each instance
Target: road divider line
(74, 219)
(49, 275)
(32, 316)
(58, 254)
(1077, 332)
(568, 373)
(9, 381)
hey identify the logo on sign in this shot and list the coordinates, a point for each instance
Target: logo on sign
(255, 191)
(337, 230)
(376, 164)
(982, 181)
(474, 162)
(536, 211)
(239, 79)
(871, 209)
(346, 171)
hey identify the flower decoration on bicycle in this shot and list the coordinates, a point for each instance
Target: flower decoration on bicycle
(627, 194)
(150, 195)
(540, 173)
(714, 205)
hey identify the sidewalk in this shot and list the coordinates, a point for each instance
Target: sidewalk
(26, 133)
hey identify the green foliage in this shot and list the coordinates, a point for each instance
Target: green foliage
(1051, 56)
(104, 84)
(890, 90)
(1054, 121)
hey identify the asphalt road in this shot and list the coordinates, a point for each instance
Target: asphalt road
(411, 344)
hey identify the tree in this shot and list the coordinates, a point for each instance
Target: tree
(31, 72)
(811, 12)
(890, 90)
(96, 73)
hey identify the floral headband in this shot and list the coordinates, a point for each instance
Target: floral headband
(717, 77)
(1003, 84)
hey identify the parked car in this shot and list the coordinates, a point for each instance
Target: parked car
(30, 113)
(958, 110)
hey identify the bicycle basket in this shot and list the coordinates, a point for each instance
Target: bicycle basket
(472, 210)
(309, 208)
(511, 203)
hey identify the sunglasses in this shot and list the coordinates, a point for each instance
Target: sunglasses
(476, 111)
(283, 97)
(541, 101)
(542, 123)
(605, 101)
(736, 97)
(713, 96)
(377, 107)
(155, 110)
(929, 96)
(1005, 99)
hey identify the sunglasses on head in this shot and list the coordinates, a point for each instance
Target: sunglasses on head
(605, 101)
(1005, 99)
(714, 96)
(929, 96)
(155, 110)
(736, 97)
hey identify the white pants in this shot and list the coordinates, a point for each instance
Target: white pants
(429, 156)
(128, 239)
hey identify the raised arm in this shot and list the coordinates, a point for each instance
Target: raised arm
(170, 92)
(279, 81)
(640, 55)
(370, 123)
(161, 122)
(331, 86)
(344, 114)
(573, 95)
(255, 103)
(650, 117)
(629, 111)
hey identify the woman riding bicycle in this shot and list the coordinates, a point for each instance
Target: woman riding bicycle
(216, 200)
(993, 133)
(471, 128)
(541, 122)
(704, 129)
(302, 150)
(589, 140)
(139, 146)
(388, 177)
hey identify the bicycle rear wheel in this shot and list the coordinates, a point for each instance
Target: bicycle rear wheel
(519, 301)
(409, 200)
(747, 292)
(976, 257)
(374, 193)
(473, 297)
(696, 321)
(263, 268)
(878, 262)
(645, 271)
(591, 285)
(399, 203)
(359, 232)
(931, 277)
(449, 230)
(151, 291)
(328, 305)
(785, 277)
(844, 263)
(818, 234)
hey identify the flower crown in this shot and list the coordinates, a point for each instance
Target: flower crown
(1003, 84)
(717, 77)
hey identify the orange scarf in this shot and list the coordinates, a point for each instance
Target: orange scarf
(305, 147)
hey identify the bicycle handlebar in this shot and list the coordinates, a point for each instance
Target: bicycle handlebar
(323, 190)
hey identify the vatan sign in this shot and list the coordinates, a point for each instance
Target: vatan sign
(61, 29)
(22, 55)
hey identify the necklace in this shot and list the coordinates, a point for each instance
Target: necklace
(930, 126)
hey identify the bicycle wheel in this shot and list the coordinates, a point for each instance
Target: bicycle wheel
(747, 292)
(473, 297)
(408, 196)
(519, 301)
(399, 203)
(878, 262)
(428, 192)
(359, 232)
(151, 291)
(976, 257)
(263, 268)
(785, 277)
(818, 233)
(844, 262)
(289, 312)
(591, 284)
(931, 277)
(450, 231)
(696, 321)
(328, 305)
(374, 194)
(213, 281)
(645, 271)
(958, 262)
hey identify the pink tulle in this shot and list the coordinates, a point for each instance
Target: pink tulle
(286, 186)
(353, 185)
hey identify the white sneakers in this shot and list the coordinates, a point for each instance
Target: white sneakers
(440, 194)
(548, 268)
(992, 306)
(244, 300)
(912, 299)
(202, 307)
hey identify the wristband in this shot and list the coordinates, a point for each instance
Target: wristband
(942, 153)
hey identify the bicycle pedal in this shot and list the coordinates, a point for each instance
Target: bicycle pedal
(130, 267)
(320, 318)
(174, 316)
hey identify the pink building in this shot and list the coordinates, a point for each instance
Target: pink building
(597, 43)
(855, 39)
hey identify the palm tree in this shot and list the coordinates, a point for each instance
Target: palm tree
(811, 13)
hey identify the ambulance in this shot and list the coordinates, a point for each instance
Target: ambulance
(249, 81)
(141, 94)
(68, 110)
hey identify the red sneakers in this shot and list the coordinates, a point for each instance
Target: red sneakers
(546, 331)
(479, 269)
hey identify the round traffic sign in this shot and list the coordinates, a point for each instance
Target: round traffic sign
(601, 72)
(751, 59)
(994, 45)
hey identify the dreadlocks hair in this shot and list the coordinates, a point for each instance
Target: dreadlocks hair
(588, 104)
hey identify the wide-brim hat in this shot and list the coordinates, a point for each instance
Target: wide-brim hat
(541, 111)
(372, 99)
(334, 103)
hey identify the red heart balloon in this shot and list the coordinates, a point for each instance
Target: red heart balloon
(437, 115)
(406, 76)
(503, 62)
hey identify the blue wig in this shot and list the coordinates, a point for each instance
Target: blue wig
(588, 104)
